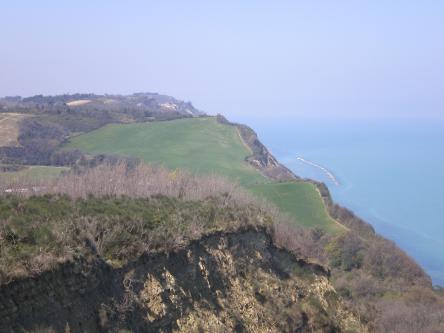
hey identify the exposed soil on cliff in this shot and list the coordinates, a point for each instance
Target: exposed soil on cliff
(225, 282)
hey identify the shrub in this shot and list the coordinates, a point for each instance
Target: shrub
(117, 212)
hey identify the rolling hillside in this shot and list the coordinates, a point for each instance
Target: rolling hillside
(203, 145)
(300, 200)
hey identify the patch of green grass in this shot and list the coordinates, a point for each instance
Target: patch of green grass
(200, 145)
(34, 173)
(299, 200)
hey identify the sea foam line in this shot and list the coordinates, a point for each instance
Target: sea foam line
(325, 170)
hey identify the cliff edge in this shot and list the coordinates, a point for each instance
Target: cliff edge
(224, 282)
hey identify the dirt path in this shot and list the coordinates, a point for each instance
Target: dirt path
(9, 129)
(243, 141)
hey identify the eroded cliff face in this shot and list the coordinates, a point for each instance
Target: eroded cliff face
(235, 282)
(261, 158)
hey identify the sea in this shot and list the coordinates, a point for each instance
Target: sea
(390, 172)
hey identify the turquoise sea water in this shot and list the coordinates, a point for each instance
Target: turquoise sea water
(391, 173)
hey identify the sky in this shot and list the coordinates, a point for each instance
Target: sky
(240, 58)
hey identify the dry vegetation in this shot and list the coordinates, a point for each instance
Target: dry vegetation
(9, 129)
(134, 180)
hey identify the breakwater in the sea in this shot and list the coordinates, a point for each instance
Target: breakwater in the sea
(329, 174)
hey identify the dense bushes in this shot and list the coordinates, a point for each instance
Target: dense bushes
(398, 316)
(377, 256)
(346, 251)
(39, 145)
(379, 281)
(38, 232)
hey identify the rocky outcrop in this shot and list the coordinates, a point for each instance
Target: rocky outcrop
(225, 282)
(261, 158)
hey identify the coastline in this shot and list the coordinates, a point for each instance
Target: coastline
(344, 216)
(327, 172)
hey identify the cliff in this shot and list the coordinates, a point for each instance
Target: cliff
(261, 158)
(224, 282)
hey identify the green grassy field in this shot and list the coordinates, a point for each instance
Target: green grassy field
(300, 200)
(202, 145)
(34, 172)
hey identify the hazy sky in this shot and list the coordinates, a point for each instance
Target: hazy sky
(240, 58)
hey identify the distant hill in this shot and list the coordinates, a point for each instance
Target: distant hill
(147, 102)
(34, 127)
